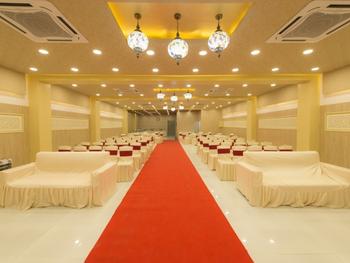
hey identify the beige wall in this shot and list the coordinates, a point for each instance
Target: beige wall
(273, 100)
(67, 96)
(132, 122)
(156, 122)
(237, 108)
(211, 121)
(187, 121)
(336, 81)
(12, 83)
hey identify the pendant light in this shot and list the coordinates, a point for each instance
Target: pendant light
(160, 95)
(188, 95)
(137, 40)
(219, 40)
(173, 98)
(178, 48)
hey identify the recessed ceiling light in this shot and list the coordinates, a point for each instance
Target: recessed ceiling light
(206, 94)
(203, 53)
(220, 106)
(43, 51)
(255, 52)
(149, 102)
(216, 85)
(125, 106)
(142, 95)
(227, 94)
(197, 102)
(155, 70)
(315, 69)
(117, 102)
(245, 85)
(308, 51)
(103, 85)
(160, 85)
(188, 85)
(74, 85)
(275, 69)
(195, 70)
(273, 84)
(133, 102)
(97, 52)
(120, 94)
(150, 52)
(115, 69)
(229, 102)
(33, 69)
(132, 85)
(235, 69)
(98, 94)
(249, 94)
(213, 102)
(74, 69)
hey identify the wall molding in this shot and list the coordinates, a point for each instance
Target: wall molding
(235, 115)
(59, 106)
(242, 124)
(12, 100)
(111, 115)
(282, 123)
(111, 123)
(11, 123)
(335, 99)
(284, 106)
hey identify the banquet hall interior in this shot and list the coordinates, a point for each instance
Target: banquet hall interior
(182, 131)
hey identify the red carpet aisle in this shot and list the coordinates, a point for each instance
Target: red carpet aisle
(167, 216)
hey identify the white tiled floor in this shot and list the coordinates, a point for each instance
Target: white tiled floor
(283, 234)
(270, 235)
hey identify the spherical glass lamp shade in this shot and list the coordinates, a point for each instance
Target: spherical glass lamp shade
(178, 49)
(160, 95)
(173, 98)
(173, 109)
(218, 41)
(188, 95)
(138, 42)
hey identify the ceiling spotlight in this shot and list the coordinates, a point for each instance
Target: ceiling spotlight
(155, 70)
(273, 84)
(132, 85)
(160, 85)
(188, 85)
(142, 95)
(227, 94)
(216, 85)
(149, 103)
(120, 94)
(275, 69)
(178, 48)
(213, 102)
(308, 51)
(117, 102)
(97, 52)
(160, 95)
(115, 69)
(181, 107)
(255, 52)
(165, 107)
(150, 52)
(203, 53)
(103, 85)
(245, 85)
(229, 102)
(197, 103)
(235, 69)
(219, 40)
(174, 98)
(220, 106)
(43, 51)
(173, 108)
(206, 94)
(195, 70)
(315, 69)
(188, 95)
(74, 85)
(74, 69)
(249, 94)
(34, 69)
(98, 94)
(137, 40)
(133, 102)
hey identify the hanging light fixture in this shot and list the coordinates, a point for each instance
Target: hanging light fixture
(178, 48)
(173, 108)
(188, 95)
(165, 107)
(181, 107)
(160, 95)
(173, 98)
(219, 40)
(137, 40)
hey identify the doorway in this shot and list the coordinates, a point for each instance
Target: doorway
(171, 128)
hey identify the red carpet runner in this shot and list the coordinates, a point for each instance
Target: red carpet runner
(168, 215)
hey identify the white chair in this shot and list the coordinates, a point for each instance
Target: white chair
(285, 148)
(254, 148)
(270, 148)
(79, 148)
(125, 165)
(95, 148)
(136, 154)
(64, 148)
(226, 167)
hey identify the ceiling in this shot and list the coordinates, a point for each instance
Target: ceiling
(96, 22)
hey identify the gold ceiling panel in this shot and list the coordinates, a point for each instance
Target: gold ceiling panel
(197, 22)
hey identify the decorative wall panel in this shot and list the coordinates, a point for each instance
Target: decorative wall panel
(338, 122)
(286, 123)
(107, 123)
(235, 123)
(61, 124)
(11, 123)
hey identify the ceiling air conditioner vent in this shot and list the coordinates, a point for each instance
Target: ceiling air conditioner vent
(38, 20)
(316, 21)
